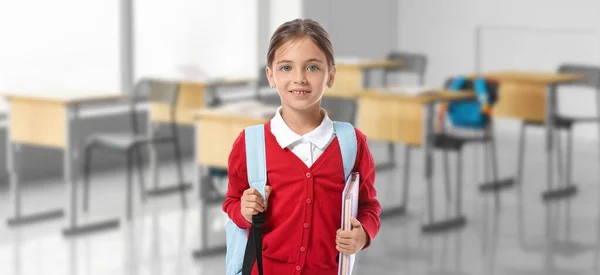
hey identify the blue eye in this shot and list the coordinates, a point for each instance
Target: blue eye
(285, 68)
(312, 68)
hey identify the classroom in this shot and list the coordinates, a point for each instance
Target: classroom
(121, 120)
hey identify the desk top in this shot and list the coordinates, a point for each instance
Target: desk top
(206, 82)
(249, 109)
(63, 96)
(532, 76)
(365, 63)
(424, 96)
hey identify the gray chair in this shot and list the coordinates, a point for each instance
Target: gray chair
(340, 109)
(564, 123)
(132, 144)
(262, 82)
(412, 63)
(447, 143)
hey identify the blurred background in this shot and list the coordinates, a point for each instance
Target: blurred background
(117, 117)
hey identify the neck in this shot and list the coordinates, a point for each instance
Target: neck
(302, 121)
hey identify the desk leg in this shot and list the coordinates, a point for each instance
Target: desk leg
(203, 182)
(568, 189)
(495, 184)
(70, 156)
(13, 167)
(154, 171)
(459, 220)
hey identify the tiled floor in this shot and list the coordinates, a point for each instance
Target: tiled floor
(523, 236)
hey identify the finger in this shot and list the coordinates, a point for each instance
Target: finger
(253, 192)
(355, 223)
(253, 199)
(249, 191)
(343, 250)
(268, 190)
(346, 234)
(343, 242)
(254, 206)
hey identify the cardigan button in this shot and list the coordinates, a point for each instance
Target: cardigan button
(303, 249)
(305, 225)
(308, 201)
(308, 175)
(298, 268)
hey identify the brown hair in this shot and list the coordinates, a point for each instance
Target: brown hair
(298, 28)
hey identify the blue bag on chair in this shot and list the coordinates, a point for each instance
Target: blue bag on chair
(237, 238)
(473, 114)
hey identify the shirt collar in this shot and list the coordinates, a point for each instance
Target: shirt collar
(320, 136)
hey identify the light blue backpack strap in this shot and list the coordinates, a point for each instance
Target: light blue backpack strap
(457, 83)
(256, 157)
(257, 178)
(481, 90)
(347, 140)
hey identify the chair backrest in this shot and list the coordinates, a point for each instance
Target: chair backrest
(262, 77)
(340, 109)
(412, 63)
(592, 75)
(156, 91)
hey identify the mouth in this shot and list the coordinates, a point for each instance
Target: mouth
(300, 92)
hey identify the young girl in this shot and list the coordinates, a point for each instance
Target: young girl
(305, 176)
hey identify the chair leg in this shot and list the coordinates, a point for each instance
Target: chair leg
(129, 192)
(180, 171)
(447, 177)
(406, 177)
(569, 161)
(559, 157)
(494, 162)
(392, 153)
(459, 183)
(520, 158)
(598, 122)
(140, 168)
(430, 198)
(87, 162)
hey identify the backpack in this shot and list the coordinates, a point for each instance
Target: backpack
(473, 114)
(239, 245)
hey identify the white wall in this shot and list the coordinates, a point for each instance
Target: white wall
(59, 43)
(196, 38)
(358, 28)
(75, 44)
(283, 11)
(544, 34)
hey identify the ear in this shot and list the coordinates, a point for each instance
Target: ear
(269, 73)
(331, 77)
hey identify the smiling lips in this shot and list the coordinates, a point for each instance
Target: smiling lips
(300, 92)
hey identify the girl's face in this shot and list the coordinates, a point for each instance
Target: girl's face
(300, 72)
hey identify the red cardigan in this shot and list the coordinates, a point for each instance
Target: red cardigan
(304, 207)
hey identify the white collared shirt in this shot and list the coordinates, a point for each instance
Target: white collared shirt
(307, 147)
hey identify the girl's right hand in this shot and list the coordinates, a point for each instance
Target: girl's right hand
(252, 202)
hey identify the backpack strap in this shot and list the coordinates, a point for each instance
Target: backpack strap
(256, 157)
(257, 178)
(457, 84)
(347, 139)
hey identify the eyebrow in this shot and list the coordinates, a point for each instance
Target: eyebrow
(310, 60)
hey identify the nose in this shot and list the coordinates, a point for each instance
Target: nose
(300, 77)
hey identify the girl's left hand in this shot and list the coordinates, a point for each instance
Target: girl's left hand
(350, 242)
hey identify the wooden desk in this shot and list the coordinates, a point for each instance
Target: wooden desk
(531, 97)
(215, 132)
(49, 119)
(399, 117)
(193, 95)
(352, 75)
(393, 116)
